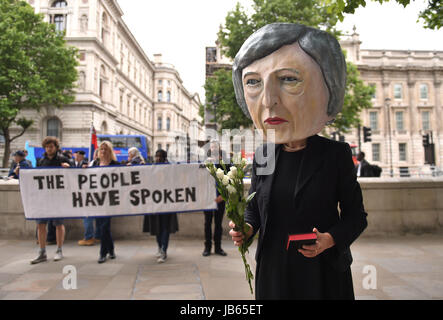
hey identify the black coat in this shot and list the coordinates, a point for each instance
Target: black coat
(151, 223)
(365, 170)
(326, 178)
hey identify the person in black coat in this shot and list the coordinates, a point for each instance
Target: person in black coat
(363, 168)
(291, 79)
(161, 225)
(215, 155)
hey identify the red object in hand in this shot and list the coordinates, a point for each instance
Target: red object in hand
(302, 238)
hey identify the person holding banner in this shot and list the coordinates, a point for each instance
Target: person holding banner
(106, 157)
(51, 158)
(161, 225)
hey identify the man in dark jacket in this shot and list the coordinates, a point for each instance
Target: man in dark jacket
(79, 160)
(52, 158)
(216, 154)
(363, 169)
(19, 162)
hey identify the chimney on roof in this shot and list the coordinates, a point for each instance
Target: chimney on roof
(158, 58)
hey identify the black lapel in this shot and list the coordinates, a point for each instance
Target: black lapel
(312, 159)
(268, 179)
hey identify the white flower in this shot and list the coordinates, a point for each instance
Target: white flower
(231, 189)
(219, 173)
(233, 169)
(225, 180)
(243, 162)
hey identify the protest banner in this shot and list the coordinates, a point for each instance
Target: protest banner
(116, 190)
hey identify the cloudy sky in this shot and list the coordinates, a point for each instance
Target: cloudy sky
(181, 30)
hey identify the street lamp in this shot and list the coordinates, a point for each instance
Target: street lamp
(387, 103)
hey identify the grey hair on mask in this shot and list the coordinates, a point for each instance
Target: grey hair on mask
(322, 47)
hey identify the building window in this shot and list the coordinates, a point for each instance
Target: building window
(159, 123)
(121, 101)
(84, 23)
(424, 91)
(402, 151)
(168, 124)
(59, 22)
(167, 147)
(373, 96)
(399, 120)
(425, 121)
(53, 127)
(373, 120)
(104, 28)
(160, 82)
(168, 96)
(59, 4)
(376, 152)
(101, 89)
(159, 146)
(398, 94)
(159, 96)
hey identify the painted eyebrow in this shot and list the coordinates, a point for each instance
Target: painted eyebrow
(249, 74)
(288, 69)
(279, 70)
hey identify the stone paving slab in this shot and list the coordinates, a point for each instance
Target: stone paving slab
(407, 267)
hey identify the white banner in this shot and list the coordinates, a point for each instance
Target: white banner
(116, 190)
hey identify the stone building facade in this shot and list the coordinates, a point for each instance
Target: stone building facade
(118, 84)
(407, 104)
(408, 92)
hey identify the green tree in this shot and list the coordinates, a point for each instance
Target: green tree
(239, 26)
(220, 99)
(357, 97)
(36, 67)
(432, 15)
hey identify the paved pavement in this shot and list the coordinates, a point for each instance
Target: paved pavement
(408, 267)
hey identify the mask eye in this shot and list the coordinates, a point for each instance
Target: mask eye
(289, 79)
(253, 82)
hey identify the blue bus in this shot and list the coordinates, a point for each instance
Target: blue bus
(121, 143)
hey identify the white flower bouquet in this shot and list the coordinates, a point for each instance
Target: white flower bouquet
(231, 188)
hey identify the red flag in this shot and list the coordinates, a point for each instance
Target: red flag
(94, 144)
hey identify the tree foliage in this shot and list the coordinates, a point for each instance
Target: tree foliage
(239, 26)
(432, 15)
(221, 101)
(357, 98)
(36, 67)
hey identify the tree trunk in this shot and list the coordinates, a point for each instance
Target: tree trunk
(7, 151)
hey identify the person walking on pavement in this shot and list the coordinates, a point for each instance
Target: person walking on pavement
(161, 225)
(52, 158)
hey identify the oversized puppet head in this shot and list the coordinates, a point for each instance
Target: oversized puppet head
(290, 78)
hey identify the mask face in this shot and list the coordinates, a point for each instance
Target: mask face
(286, 92)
